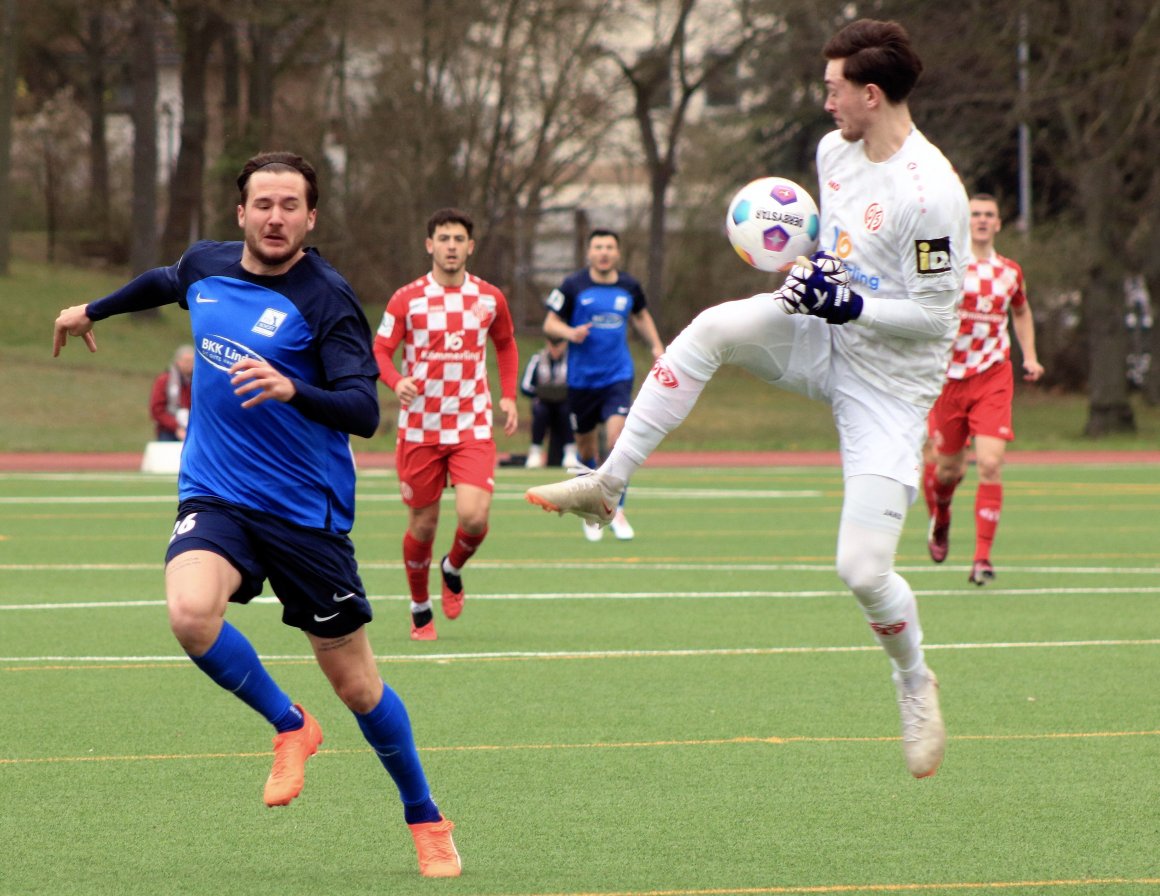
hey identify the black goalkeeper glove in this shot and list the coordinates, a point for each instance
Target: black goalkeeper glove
(820, 287)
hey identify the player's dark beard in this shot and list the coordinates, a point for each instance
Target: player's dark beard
(273, 260)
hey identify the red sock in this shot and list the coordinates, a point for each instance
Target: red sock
(988, 502)
(944, 493)
(928, 486)
(464, 546)
(417, 562)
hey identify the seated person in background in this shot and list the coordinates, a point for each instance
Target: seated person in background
(169, 401)
(545, 382)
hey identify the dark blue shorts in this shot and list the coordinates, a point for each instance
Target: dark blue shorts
(313, 572)
(588, 408)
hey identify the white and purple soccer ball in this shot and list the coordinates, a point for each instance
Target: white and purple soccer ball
(770, 222)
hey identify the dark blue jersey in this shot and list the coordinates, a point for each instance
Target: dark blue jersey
(308, 325)
(603, 357)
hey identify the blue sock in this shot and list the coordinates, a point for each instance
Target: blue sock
(388, 730)
(233, 663)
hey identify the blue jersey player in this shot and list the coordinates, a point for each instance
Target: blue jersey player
(284, 373)
(591, 309)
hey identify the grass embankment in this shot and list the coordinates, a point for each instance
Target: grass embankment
(83, 402)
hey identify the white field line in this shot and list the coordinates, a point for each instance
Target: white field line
(651, 494)
(628, 595)
(609, 654)
(622, 565)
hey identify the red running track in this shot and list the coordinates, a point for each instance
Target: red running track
(57, 462)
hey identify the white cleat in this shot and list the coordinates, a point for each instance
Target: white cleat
(585, 495)
(535, 459)
(592, 531)
(924, 736)
(621, 527)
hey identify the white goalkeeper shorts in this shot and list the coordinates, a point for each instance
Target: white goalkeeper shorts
(878, 433)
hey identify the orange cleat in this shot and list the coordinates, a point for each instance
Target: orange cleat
(437, 854)
(453, 593)
(291, 750)
(423, 632)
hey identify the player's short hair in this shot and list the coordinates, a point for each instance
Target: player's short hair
(450, 216)
(876, 52)
(603, 231)
(984, 197)
(281, 161)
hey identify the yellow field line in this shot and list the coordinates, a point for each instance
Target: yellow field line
(961, 886)
(596, 745)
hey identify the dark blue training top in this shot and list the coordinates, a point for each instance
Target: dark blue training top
(603, 357)
(289, 459)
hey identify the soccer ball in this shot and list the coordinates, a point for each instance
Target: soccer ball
(770, 222)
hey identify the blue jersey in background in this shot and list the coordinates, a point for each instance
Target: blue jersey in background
(603, 358)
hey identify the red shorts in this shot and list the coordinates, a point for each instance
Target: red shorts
(425, 470)
(980, 405)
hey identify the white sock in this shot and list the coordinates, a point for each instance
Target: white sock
(419, 608)
(873, 513)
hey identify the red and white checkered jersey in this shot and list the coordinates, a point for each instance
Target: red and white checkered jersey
(444, 332)
(991, 288)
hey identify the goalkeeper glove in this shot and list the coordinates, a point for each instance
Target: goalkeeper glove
(822, 289)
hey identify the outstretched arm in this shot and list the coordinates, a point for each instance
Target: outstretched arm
(73, 321)
(150, 290)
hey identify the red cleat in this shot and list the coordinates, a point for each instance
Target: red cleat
(938, 539)
(423, 632)
(453, 593)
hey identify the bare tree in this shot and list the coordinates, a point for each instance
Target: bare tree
(498, 109)
(143, 236)
(664, 75)
(198, 26)
(96, 40)
(1095, 86)
(7, 109)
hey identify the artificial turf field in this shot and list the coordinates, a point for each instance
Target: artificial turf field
(699, 711)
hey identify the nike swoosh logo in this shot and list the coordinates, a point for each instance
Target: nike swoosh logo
(339, 600)
(608, 509)
(318, 618)
(202, 299)
(587, 301)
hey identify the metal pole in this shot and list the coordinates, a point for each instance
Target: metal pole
(1024, 223)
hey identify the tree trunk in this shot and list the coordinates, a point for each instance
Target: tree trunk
(1109, 410)
(658, 214)
(185, 222)
(143, 238)
(7, 101)
(97, 86)
(260, 120)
